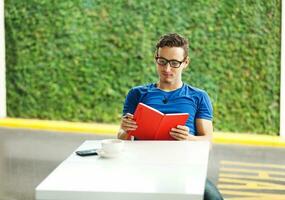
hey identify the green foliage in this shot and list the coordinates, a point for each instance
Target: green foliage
(76, 60)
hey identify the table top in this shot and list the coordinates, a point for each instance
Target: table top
(145, 170)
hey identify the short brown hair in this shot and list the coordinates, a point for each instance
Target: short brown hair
(173, 40)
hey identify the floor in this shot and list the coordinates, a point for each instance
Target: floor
(240, 172)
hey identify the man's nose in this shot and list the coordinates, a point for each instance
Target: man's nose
(167, 67)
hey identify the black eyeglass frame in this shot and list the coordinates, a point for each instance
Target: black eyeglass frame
(168, 61)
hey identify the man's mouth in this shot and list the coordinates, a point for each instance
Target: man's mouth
(167, 74)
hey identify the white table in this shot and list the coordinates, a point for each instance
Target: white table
(146, 170)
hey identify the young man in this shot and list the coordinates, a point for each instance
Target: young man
(170, 95)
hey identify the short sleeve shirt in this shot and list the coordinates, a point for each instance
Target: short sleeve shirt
(186, 99)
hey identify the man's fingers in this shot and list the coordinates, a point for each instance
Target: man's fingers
(177, 136)
(176, 130)
(128, 118)
(129, 115)
(129, 126)
(129, 121)
(186, 128)
(129, 129)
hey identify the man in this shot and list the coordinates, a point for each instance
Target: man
(171, 95)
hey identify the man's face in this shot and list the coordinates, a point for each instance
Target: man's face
(168, 74)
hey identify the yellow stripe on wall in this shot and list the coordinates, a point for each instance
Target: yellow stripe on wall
(249, 139)
(63, 126)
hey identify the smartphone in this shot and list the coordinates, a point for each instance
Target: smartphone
(88, 152)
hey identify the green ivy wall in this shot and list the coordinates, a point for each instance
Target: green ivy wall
(76, 60)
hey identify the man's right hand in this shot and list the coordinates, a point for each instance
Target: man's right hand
(127, 124)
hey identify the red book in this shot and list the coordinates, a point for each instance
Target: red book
(154, 125)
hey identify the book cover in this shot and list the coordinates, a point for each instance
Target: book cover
(155, 125)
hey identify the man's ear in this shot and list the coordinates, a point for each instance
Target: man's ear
(187, 62)
(154, 55)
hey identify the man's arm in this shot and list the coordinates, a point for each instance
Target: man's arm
(204, 129)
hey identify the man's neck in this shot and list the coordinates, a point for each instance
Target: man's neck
(168, 86)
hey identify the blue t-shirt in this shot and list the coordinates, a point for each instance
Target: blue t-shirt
(186, 99)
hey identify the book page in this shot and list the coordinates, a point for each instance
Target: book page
(148, 121)
(170, 121)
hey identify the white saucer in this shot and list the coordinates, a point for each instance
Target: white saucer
(107, 155)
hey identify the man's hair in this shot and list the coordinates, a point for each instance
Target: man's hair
(173, 40)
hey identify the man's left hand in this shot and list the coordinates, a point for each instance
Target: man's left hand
(181, 133)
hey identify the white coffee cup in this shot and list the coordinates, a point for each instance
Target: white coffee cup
(112, 146)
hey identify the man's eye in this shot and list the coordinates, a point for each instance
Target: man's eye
(162, 61)
(174, 63)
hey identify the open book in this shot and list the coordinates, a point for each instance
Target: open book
(154, 125)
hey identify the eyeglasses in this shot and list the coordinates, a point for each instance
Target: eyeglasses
(173, 63)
